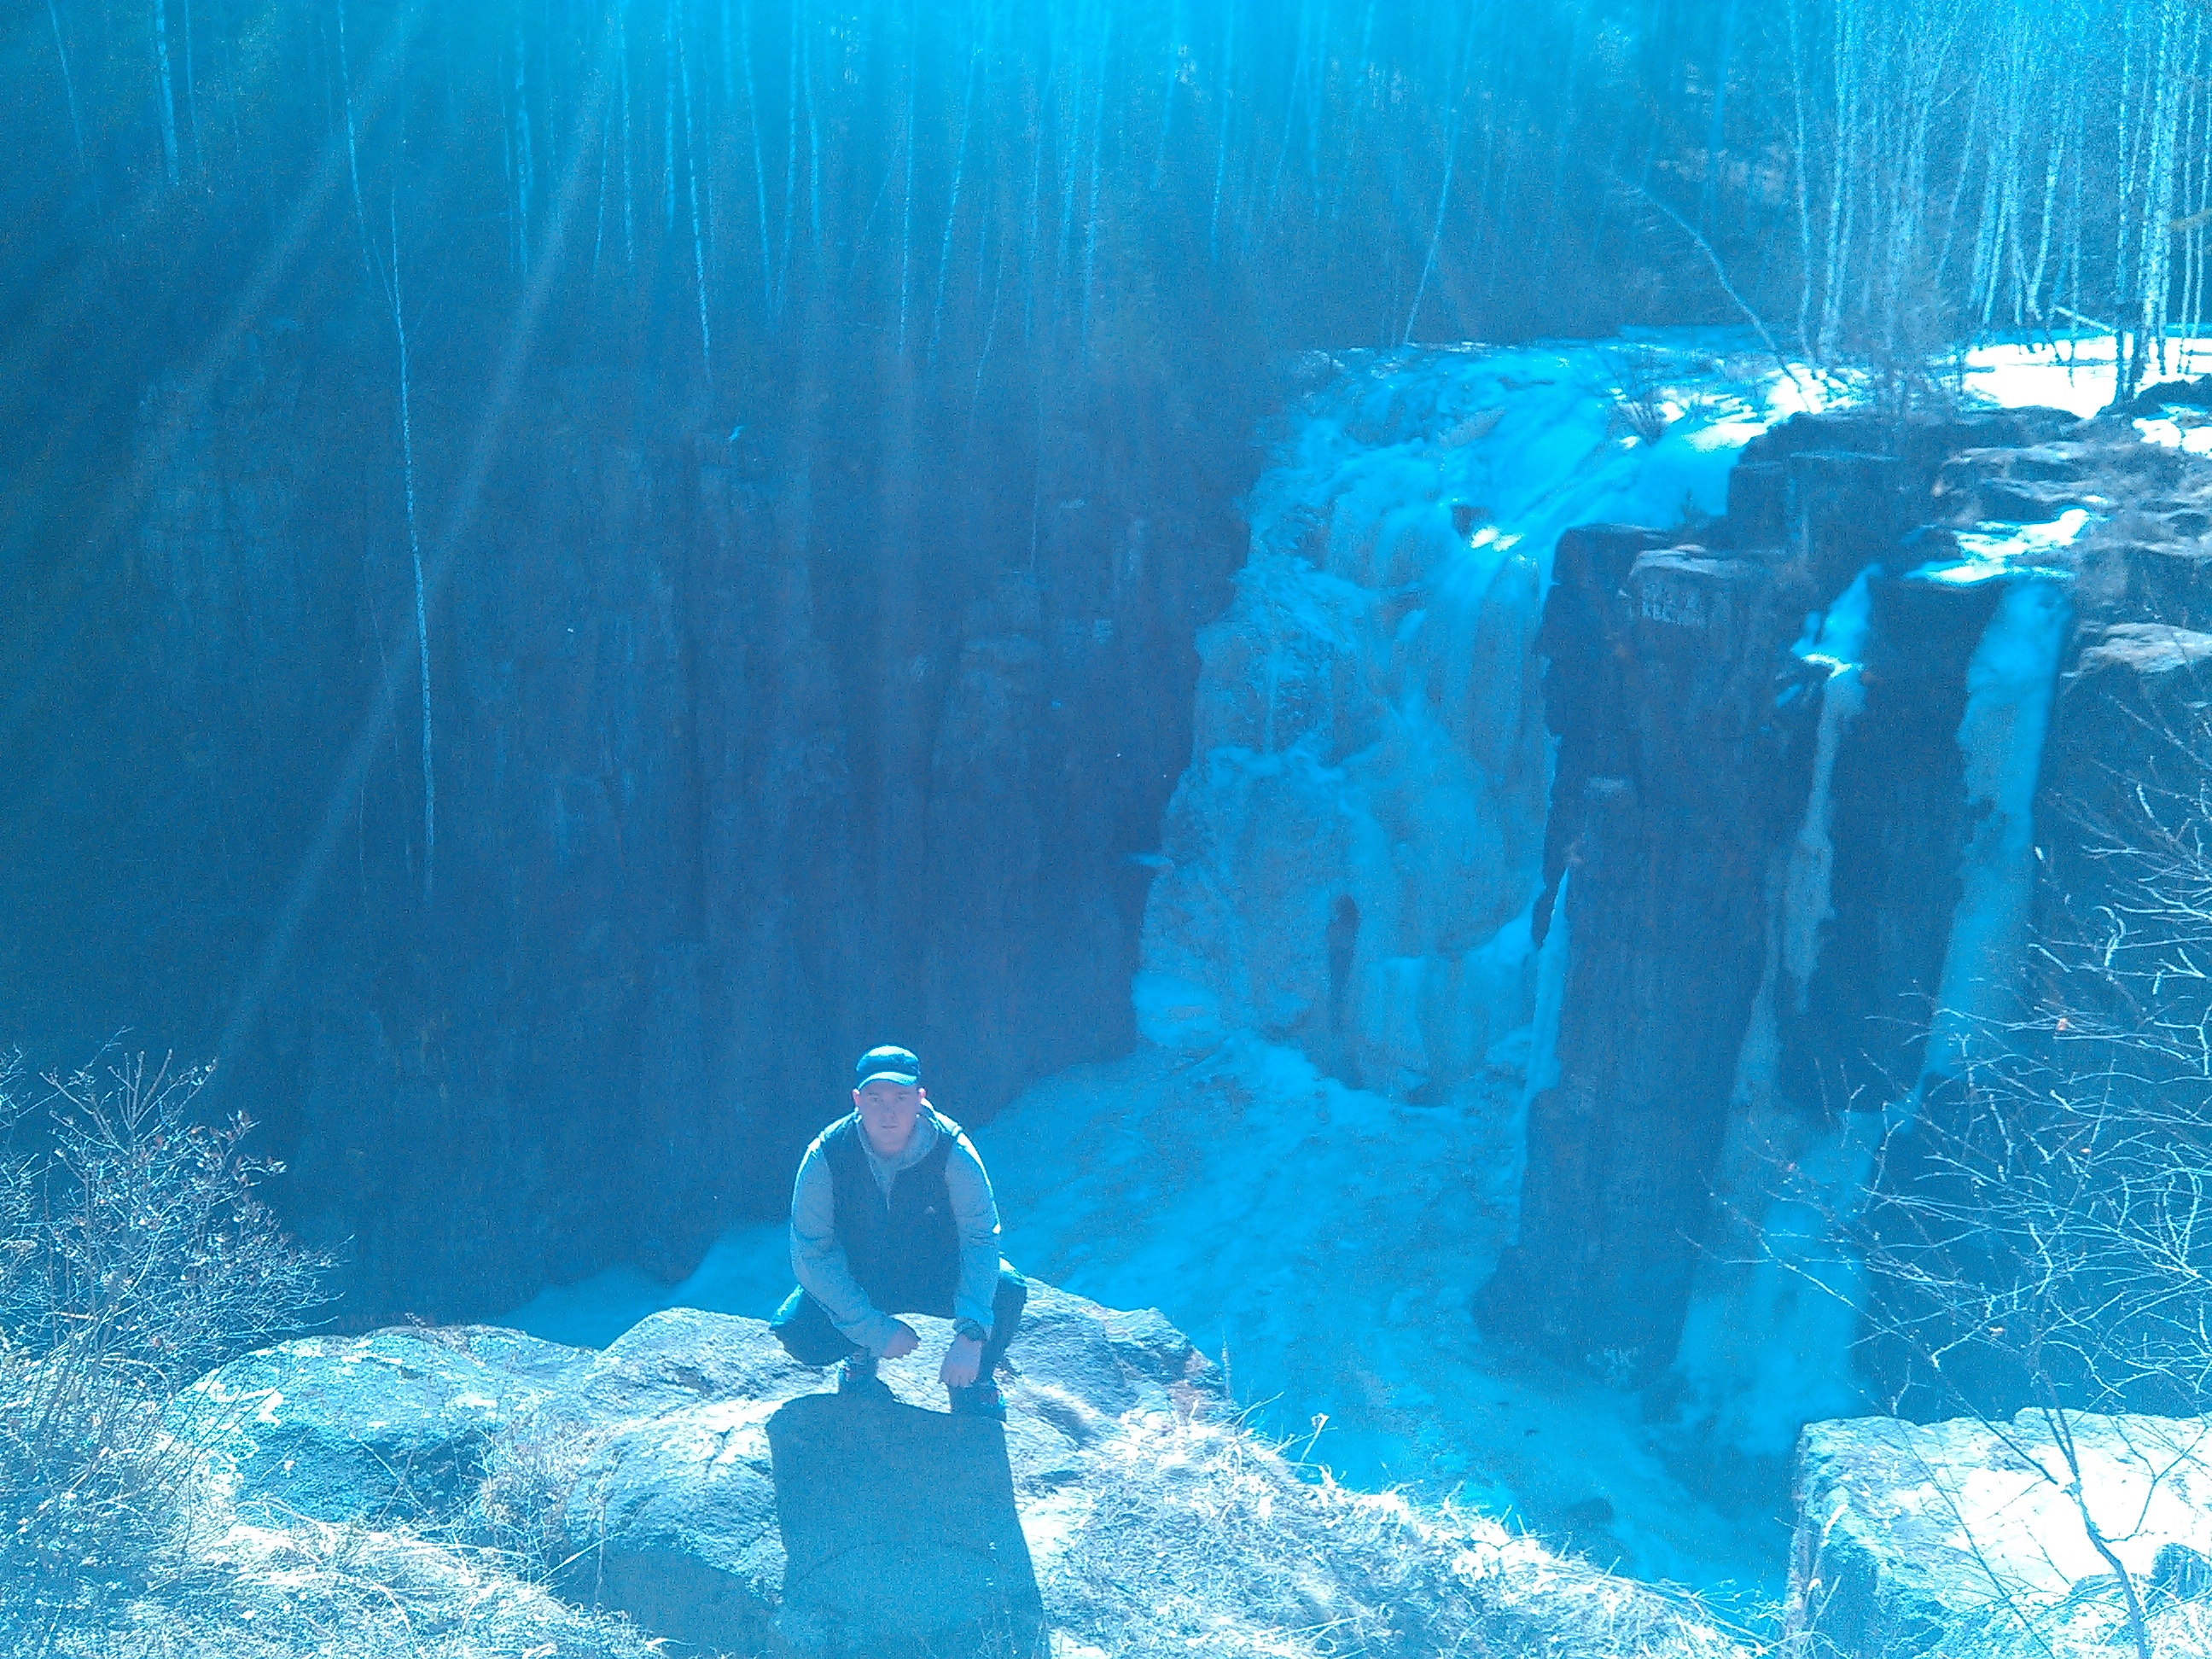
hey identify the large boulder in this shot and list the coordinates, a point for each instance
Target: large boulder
(391, 1426)
(1969, 1536)
(727, 1500)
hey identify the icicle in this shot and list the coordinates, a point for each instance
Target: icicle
(415, 554)
(68, 87)
(1221, 147)
(790, 165)
(1552, 959)
(1807, 888)
(1097, 137)
(760, 177)
(389, 282)
(906, 218)
(1035, 223)
(630, 225)
(691, 187)
(1168, 92)
(167, 98)
(2008, 688)
(1443, 200)
(952, 203)
(192, 95)
(668, 119)
(599, 229)
(522, 156)
(813, 152)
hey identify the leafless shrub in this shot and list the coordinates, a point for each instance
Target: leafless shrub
(1640, 402)
(2038, 1234)
(529, 1476)
(134, 1254)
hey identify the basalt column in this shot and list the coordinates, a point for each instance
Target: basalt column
(1665, 902)
(1851, 1034)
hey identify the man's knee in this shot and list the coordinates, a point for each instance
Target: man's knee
(802, 1325)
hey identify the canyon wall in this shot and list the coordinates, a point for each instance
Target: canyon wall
(747, 750)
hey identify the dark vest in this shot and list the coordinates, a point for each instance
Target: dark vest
(904, 1250)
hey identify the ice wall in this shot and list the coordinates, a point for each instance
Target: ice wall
(1765, 1345)
(1348, 866)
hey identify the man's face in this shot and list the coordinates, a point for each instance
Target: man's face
(887, 1111)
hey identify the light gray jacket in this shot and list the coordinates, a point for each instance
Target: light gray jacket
(819, 1260)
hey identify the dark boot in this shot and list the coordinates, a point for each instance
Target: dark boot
(856, 1376)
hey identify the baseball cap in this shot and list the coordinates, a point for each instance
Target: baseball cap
(898, 1065)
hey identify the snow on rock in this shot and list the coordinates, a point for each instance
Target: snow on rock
(1964, 1535)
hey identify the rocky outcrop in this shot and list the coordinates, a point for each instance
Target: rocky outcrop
(691, 1477)
(385, 1428)
(1662, 898)
(1968, 1536)
(695, 1477)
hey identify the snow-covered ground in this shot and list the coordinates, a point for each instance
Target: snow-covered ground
(2078, 375)
(1344, 886)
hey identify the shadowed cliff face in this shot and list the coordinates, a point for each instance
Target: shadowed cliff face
(749, 749)
(1799, 882)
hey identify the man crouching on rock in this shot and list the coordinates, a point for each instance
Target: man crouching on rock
(892, 1213)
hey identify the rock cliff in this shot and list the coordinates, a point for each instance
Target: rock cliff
(724, 727)
(1831, 775)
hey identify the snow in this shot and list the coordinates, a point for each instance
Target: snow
(1992, 550)
(1805, 906)
(1323, 1241)
(2194, 437)
(747, 1270)
(2077, 375)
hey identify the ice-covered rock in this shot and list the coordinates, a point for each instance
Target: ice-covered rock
(1974, 1536)
(1349, 861)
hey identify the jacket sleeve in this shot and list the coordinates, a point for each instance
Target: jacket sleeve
(975, 1215)
(819, 1260)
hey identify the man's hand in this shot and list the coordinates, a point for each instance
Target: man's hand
(903, 1343)
(962, 1360)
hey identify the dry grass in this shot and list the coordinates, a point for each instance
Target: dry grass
(1198, 1539)
(313, 1591)
(1185, 1538)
